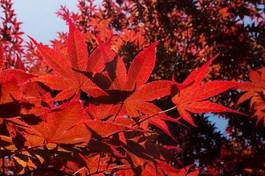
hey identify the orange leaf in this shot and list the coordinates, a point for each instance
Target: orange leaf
(62, 125)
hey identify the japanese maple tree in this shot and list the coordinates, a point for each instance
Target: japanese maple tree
(85, 105)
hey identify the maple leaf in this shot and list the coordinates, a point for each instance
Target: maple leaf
(69, 124)
(139, 71)
(255, 91)
(137, 104)
(64, 77)
(193, 97)
(62, 125)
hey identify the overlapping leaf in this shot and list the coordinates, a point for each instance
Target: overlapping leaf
(194, 96)
(63, 125)
(64, 77)
(100, 56)
(138, 103)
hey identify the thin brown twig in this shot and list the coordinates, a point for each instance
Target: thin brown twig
(142, 120)
(148, 117)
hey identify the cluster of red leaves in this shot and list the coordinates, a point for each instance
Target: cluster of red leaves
(187, 31)
(91, 19)
(10, 36)
(88, 114)
(84, 111)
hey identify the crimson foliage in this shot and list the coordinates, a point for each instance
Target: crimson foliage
(87, 106)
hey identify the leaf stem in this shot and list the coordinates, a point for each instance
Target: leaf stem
(148, 117)
(142, 120)
(78, 171)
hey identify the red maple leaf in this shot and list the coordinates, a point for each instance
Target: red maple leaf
(68, 124)
(64, 77)
(137, 103)
(255, 91)
(60, 125)
(194, 97)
